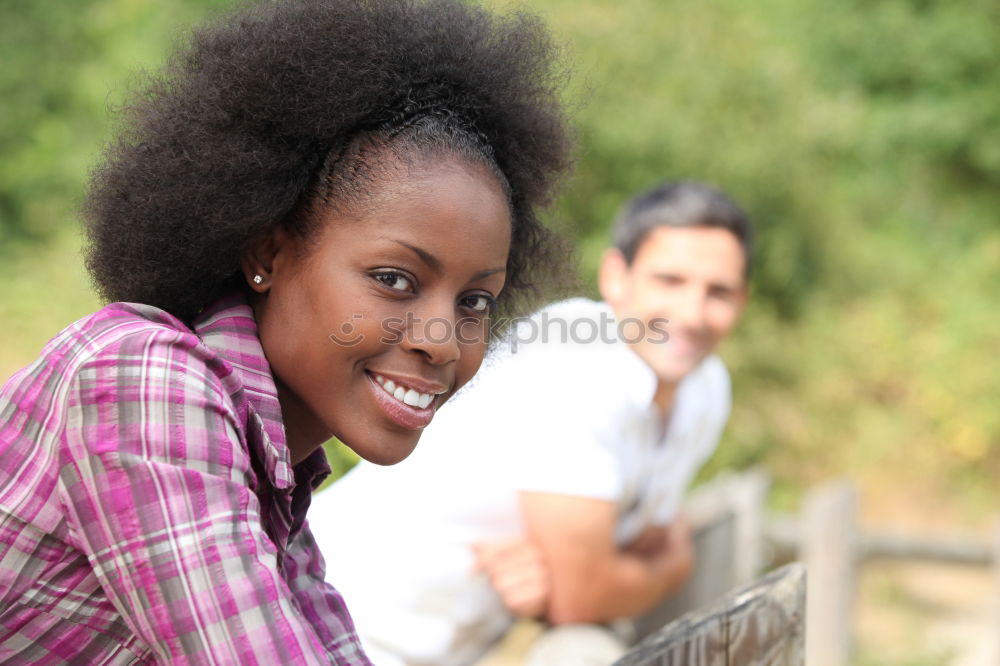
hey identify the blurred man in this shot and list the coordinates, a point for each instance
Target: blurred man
(550, 487)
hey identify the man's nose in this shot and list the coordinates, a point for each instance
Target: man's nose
(689, 309)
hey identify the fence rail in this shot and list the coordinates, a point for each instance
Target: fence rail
(783, 533)
(825, 536)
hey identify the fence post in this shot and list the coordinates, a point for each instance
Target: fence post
(996, 592)
(829, 535)
(748, 496)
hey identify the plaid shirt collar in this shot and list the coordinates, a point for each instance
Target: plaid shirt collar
(222, 328)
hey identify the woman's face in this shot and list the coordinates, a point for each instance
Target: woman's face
(370, 325)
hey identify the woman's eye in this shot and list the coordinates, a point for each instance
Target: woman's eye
(479, 303)
(394, 280)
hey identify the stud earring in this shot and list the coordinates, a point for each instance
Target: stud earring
(257, 279)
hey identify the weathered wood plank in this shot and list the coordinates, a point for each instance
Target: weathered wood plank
(996, 591)
(783, 533)
(829, 550)
(748, 497)
(759, 624)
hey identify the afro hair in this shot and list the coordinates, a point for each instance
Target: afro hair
(227, 142)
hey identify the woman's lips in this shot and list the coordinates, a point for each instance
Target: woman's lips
(412, 417)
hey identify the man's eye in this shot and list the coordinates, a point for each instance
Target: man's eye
(669, 280)
(394, 280)
(479, 303)
(722, 293)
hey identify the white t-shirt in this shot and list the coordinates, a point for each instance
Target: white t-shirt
(552, 410)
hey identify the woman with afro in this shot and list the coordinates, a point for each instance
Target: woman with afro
(305, 229)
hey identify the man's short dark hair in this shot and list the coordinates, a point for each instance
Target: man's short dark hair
(680, 204)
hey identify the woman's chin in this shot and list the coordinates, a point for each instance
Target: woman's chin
(388, 451)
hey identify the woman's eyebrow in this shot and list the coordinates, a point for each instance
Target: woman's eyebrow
(435, 264)
(432, 262)
(490, 271)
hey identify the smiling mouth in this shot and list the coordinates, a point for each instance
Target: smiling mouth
(404, 394)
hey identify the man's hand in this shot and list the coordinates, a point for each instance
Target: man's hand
(518, 573)
(671, 547)
(656, 540)
(650, 542)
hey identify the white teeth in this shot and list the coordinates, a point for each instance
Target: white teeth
(405, 395)
(412, 398)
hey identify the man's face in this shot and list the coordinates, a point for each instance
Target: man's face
(693, 277)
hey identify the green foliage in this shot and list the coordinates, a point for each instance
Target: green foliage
(863, 138)
(64, 66)
(667, 91)
(932, 96)
(341, 459)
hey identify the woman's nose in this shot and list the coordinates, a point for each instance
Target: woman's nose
(432, 332)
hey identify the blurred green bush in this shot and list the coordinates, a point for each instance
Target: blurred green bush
(864, 139)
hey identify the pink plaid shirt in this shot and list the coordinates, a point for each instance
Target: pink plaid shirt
(149, 511)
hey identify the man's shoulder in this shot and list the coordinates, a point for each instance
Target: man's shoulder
(577, 328)
(573, 322)
(577, 308)
(569, 349)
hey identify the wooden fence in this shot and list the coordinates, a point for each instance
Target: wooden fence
(727, 517)
(735, 540)
(828, 539)
(758, 624)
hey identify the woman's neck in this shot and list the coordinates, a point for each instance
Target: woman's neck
(304, 433)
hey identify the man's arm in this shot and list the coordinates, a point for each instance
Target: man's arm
(590, 578)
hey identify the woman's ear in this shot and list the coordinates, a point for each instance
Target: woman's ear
(611, 277)
(257, 261)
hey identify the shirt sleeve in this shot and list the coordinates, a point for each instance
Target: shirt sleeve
(157, 491)
(319, 602)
